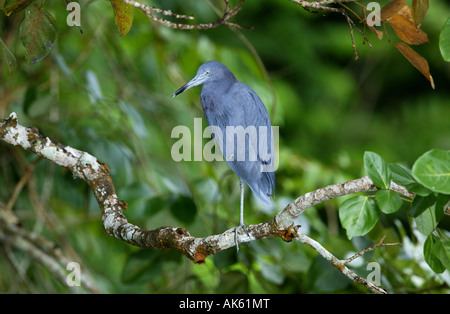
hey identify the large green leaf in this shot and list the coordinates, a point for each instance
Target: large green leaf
(444, 249)
(37, 32)
(377, 170)
(388, 201)
(431, 251)
(427, 221)
(432, 169)
(444, 41)
(358, 215)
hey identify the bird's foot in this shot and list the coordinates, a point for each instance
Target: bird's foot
(235, 234)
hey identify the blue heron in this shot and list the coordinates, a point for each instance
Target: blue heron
(241, 125)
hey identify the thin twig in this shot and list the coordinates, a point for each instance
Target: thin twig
(224, 20)
(373, 247)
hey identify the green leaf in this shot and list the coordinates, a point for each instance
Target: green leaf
(402, 175)
(421, 203)
(14, 6)
(37, 32)
(123, 16)
(444, 250)
(444, 41)
(388, 201)
(442, 202)
(431, 251)
(183, 208)
(358, 215)
(432, 169)
(427, 221)
(7, 57)
(377, 170)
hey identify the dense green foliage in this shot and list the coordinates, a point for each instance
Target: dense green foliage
(110, 96)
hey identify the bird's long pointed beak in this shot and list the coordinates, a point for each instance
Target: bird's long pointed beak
(197, 80)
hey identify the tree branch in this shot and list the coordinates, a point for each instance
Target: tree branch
(371, 248)
(340, 264)
(224, 20)
(96, 174)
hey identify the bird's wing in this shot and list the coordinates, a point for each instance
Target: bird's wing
(251, 113)
(242, 129)
(255, 116)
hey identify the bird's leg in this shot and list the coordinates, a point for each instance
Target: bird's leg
(241, 218)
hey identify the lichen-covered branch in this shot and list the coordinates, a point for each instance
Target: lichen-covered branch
(96, 174)
(286, 217)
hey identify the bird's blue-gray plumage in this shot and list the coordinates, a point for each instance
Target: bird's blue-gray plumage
(235, 110)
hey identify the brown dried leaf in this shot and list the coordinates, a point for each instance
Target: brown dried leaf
(419, 9)
(406, 12)
(407, 31)
(391, 8)
(419, 62)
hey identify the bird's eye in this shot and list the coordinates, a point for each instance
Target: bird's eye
(207, 72)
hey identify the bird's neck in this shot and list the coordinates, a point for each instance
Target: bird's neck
(222, 85)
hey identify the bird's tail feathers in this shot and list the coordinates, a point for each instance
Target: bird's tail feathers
(266, 187)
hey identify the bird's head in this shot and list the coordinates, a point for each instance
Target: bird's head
(207, 72)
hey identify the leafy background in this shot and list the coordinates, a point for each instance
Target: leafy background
(110, 96)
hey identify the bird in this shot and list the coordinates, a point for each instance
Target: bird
(248, 148)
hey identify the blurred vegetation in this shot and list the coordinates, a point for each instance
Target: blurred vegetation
(110, 96)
